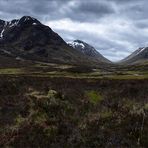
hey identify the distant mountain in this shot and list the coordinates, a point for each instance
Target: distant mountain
(88, 50)
(140, 55)
(28, 38)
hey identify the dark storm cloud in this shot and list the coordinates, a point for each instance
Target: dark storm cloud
(82, 11)
(89, 11)
(56, 9)
(123, 1)
(114, 27)
(95, 7)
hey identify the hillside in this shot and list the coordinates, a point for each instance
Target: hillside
(138, 56)
(27, 38)
(88, 50)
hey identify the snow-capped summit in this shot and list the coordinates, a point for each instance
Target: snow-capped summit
(83, 47)
(28, 36)
(28, 20)
(87, 50)
(76, 44)
(5, 26)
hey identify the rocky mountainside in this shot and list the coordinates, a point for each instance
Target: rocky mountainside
(87, 49)
(28, 38)
(27, 32)
(140, 55)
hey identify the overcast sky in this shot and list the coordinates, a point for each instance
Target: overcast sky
(114, 27)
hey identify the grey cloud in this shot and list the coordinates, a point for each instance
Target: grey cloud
(124, 1)
(97, 8)
(109, 49)
(57, 9)
(142, 24)
(90, 11)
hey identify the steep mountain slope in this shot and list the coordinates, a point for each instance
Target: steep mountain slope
(28, 38)
(88, 50)
(139, 56)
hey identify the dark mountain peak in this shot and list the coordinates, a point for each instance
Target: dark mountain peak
(2, 22)
(83, 42)
(27, 31)
(27, 36)
(10, 30)
(79, 41)
(87, 49)
(28, 20)
(25, 18)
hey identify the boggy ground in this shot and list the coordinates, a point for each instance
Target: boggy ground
(73, 112)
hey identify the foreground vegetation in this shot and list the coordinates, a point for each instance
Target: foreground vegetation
(65, 112)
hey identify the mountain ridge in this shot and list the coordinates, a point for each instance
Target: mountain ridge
(138, 56)
(87, 49)
(28, 38)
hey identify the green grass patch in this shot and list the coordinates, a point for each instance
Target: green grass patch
(94, 97)
(146, 106)
(11, 71)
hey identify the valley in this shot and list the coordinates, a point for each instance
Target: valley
(67, 95)
(74, 71)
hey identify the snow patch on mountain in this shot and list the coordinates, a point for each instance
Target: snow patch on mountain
(83, 47)
(27, 18)
(87, 50)
(19, 58)
(140, 50)
(75, 44)
(1, 35)
(34, 24)
(6, 52)
(13, 23)
(17, 23)
(3, 30)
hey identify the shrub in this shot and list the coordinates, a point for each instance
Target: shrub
(51, 93)
(94, 97)
(146, 106)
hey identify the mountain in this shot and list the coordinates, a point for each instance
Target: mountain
(88, 50)
(139, 56)
(27, 38)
